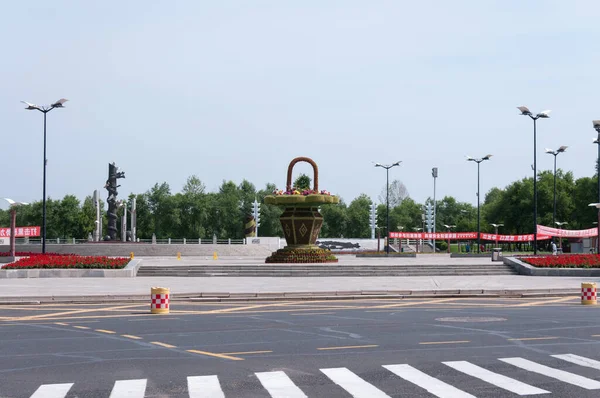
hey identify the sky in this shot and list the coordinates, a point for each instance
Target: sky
(233, 90)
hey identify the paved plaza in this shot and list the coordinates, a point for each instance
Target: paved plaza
(90, 287)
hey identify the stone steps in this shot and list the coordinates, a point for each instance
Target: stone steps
(280, 270)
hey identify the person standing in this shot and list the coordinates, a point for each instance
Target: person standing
(553, 248)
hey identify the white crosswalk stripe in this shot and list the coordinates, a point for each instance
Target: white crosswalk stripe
(496, 379)
(52, 390)
(571, 378)
(582, 361)
(431, 384)
(129, 389)
(350, 382)
(279, 385)
(204, 387)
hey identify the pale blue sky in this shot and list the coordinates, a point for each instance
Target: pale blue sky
(236, 89)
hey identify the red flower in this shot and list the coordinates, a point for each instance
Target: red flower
(37, 260)
(565, 261)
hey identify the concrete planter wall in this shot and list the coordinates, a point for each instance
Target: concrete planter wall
(129, 271)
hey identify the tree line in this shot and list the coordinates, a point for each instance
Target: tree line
(195, 213)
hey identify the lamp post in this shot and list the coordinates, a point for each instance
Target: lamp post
(596, 124)
(44, 110)
(478, 161)
(13, 223)
(387, 199)
(542, 115)
(400, 228)
(560, 224)
(597, 205)
(449, 227)
(555, 153)
(418, 240)
(496, 230)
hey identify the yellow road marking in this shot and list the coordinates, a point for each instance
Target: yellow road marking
(61, 323)
(444, 342)
(105, 331)
(534, 338)
(212, 354)
(558, 300)
(315, 313)
(412, 304)
(347, 347)
(163, 344)
(34, 317)
(131, 337)
(245, 352)
(81, 327)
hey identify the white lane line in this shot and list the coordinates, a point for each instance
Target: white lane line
(431, 384)
(350, 382)
(204, 387)
(129, 389)
(496, 379)
(557, 374)
(576, 359)
(52, 390)
(279, 385)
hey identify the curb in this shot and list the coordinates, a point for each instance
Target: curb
(298, 296)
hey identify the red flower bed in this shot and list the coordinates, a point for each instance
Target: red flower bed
(27, 254)
(67, 261)
(565, 261)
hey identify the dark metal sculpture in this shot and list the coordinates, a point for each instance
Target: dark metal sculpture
(111, 186)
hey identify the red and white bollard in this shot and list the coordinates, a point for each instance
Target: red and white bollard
(588, 293)
(160, 297)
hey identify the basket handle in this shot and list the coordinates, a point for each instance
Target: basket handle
(315, 172)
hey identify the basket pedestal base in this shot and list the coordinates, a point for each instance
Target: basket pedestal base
(301, 226)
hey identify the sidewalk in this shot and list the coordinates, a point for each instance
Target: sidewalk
(90, 289)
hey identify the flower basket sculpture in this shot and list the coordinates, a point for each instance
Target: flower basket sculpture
(301, 220)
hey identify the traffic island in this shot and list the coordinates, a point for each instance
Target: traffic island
(301, 220)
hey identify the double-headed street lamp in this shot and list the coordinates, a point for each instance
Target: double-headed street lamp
(449, 228)
(44, 110)
(555, 153)
(478, 161)
(542, 115)
(387, 199)
(560, 224)
(496, 226)
(13, 223)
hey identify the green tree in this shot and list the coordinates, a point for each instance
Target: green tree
(269, 218)
(335, 220)
(358, 225)
(302, 182)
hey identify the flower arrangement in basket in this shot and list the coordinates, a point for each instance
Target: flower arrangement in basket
(293, 196)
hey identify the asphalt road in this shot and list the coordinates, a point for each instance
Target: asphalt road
(444, 347)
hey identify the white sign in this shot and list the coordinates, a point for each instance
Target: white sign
(4, 242)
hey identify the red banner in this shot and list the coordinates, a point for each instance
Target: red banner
(467, 236)
(514, 238)
(20, 232)
(567, 233)
(436, 236)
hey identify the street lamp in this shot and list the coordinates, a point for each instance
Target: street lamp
(13, 223)
(555, 153)
(560, 224)
(596, 124)
(496, 226)
(417, 229)
(449, 227)
(387, 199)
(44, 110)
(478, 161)
(542, 115)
